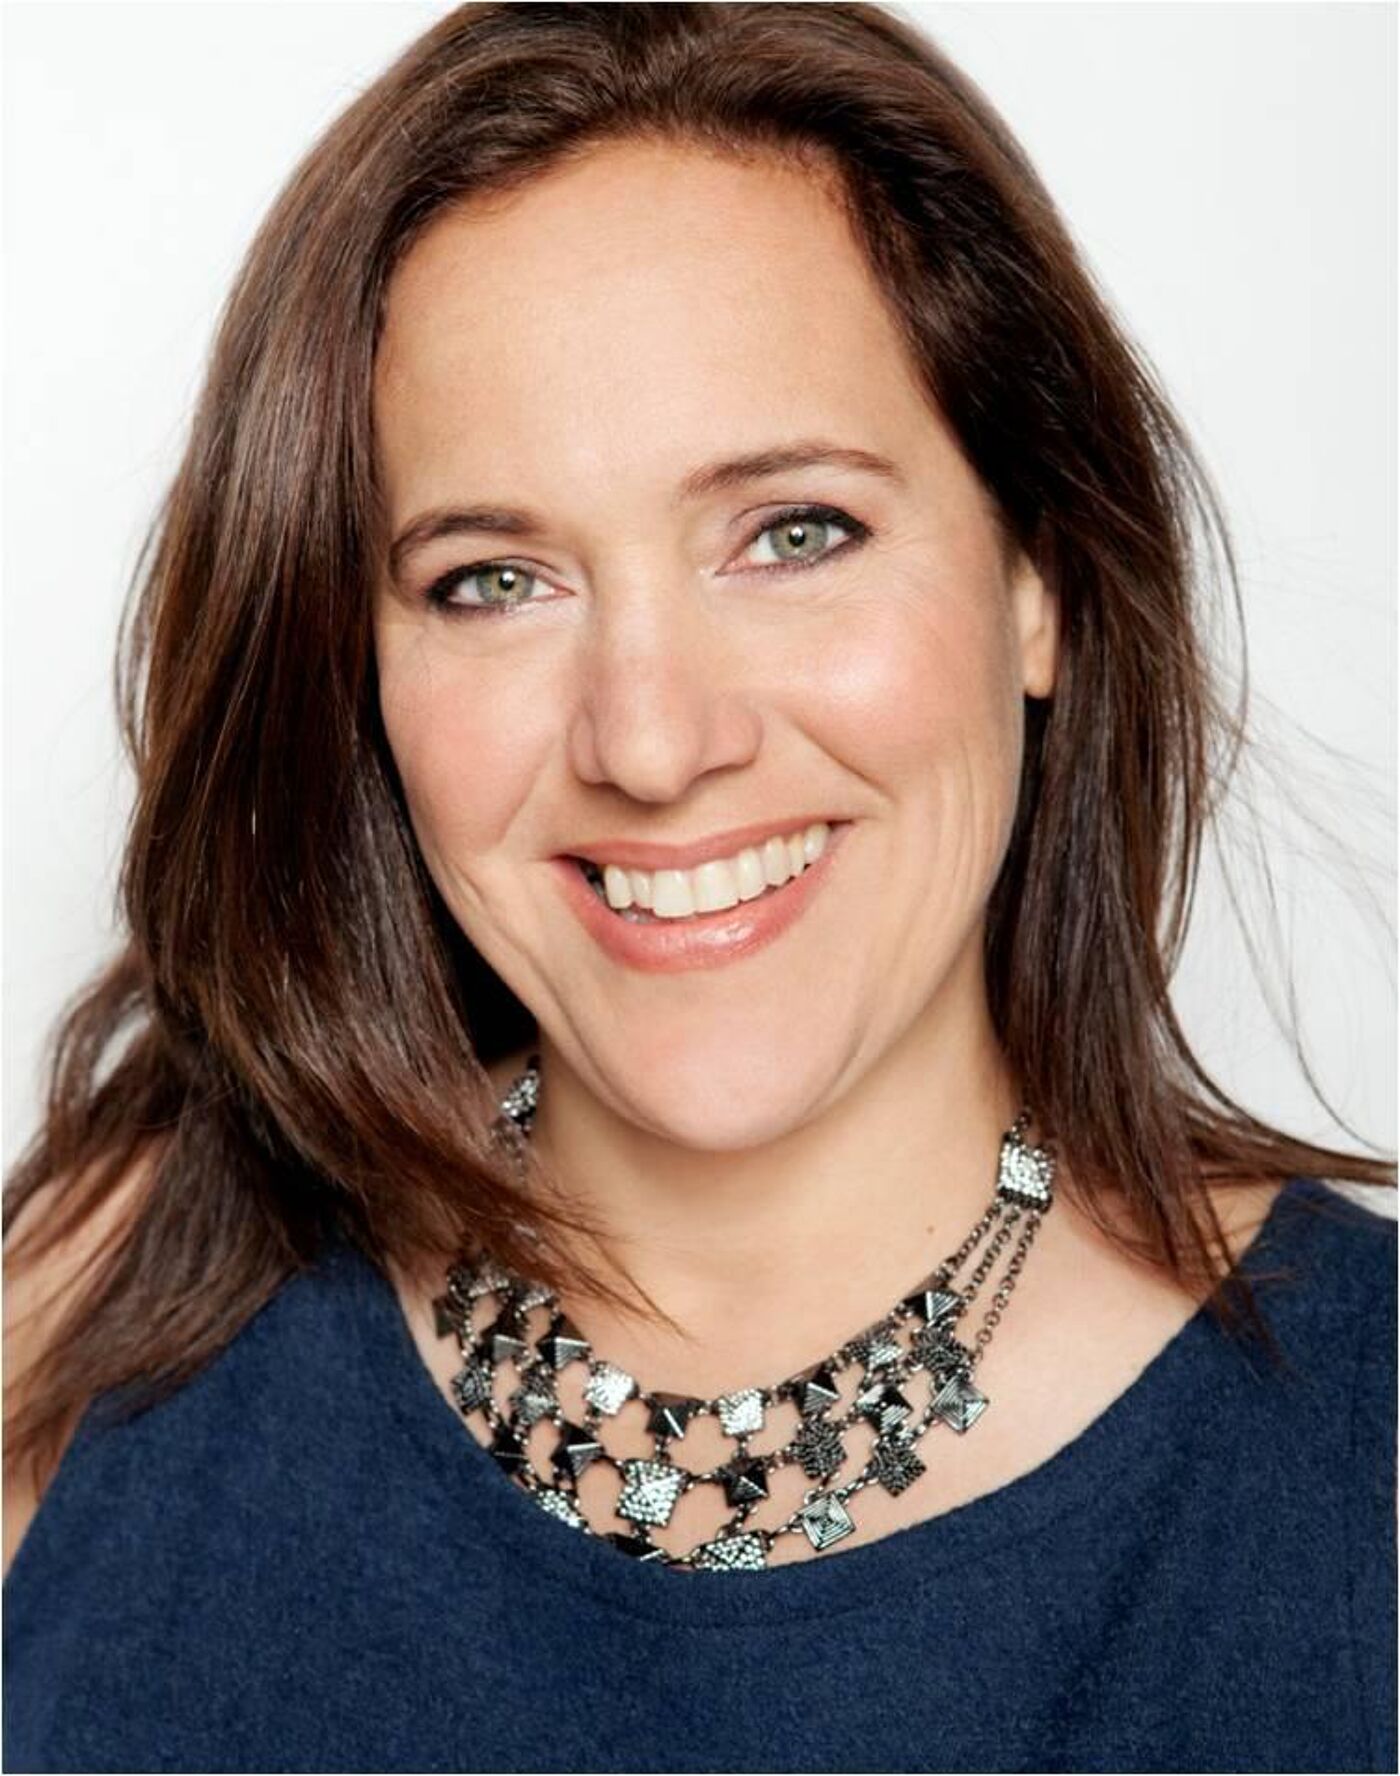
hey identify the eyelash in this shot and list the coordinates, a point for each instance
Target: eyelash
(437, 594)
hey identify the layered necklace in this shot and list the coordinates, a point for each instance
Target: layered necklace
(914, 1350)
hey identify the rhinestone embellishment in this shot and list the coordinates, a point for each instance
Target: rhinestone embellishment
(650, 1490)
(1025, 1173)
(609, 1388)
(742, 1412)
(733, 1553)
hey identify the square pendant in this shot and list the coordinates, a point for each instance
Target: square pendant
(825, 1520)
(894, 1463)
(876, 1348)
(472, 1386)
(732, 1553)
(558, 1504)
(1025, 1173)
(741, 1412)
(609, 1388)
(818, 1448)
(650, 1490)
(959, 1404)
(534, 1399)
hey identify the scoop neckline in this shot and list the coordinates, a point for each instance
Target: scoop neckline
(1083, 1474)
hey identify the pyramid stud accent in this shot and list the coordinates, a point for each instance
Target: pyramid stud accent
(815, 1390)
(825, 1520)
(671, 1413)
(505, 1336)
(883, 1405)
(959, 1404)
(745, 1482)
(573, 1452)
(508, 1450)
(562, 1344)
(636, 1547)
(876, 1348)
(933, 1304)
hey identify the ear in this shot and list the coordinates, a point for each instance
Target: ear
(1035, 614)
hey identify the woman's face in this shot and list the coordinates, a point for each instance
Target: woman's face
(682, 659)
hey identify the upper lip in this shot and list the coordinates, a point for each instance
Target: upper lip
(632, 854)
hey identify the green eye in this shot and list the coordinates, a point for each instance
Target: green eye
(508, 579)
(511, 590)
(803, 536)
(793, 539)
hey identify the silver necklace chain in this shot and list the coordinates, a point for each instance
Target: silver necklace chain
(652, 1486)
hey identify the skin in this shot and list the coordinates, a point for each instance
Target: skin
(784, 1144)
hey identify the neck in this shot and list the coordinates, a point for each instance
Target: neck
(768, 1256)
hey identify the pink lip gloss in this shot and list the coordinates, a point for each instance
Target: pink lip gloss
(704, 940)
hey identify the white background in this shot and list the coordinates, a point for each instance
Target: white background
(1229, 171)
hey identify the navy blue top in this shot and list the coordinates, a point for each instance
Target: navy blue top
(304, 1561)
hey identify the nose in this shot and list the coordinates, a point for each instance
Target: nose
(662, 691)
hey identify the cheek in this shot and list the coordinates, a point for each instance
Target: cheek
(923, 702)
(925, 675)
(466, 751)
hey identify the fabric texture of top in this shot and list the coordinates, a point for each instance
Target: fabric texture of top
(303, 1561)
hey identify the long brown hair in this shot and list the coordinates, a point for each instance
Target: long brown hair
(295, 1034)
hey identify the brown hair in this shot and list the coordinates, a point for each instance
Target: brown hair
(294, 1035)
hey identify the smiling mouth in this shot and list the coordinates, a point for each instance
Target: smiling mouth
(638, 915)
(682, 897)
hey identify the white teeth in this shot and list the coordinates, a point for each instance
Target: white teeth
(715, 886)
(672, 896)
(748, 875)
(617, 886)
(776, 864)
(721, 883)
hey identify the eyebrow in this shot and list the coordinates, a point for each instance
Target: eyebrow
(711, 478)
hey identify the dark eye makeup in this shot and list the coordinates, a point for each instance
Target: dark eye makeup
(439, 593)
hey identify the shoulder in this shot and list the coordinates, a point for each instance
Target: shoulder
(264, 1421)
(46, 1267)
(1340, 1238)
(1323, 1270)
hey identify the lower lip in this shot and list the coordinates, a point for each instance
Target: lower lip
(706, 940)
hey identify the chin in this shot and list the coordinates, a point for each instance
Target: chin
(727, 1102)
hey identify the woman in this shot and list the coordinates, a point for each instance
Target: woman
(670, 779)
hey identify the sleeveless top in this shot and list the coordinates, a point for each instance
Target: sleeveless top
(304, 1561)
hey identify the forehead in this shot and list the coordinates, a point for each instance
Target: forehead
(630, 310)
